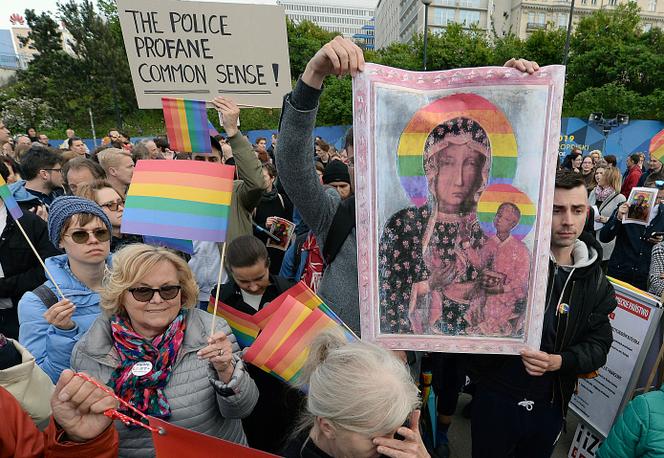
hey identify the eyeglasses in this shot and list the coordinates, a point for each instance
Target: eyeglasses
(81, 236)
(54, 170)
(206, 158)
(114, 206)
(145, 294)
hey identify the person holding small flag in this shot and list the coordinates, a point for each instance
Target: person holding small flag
(54, 316)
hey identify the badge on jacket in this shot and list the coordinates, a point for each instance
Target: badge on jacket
(563, 308)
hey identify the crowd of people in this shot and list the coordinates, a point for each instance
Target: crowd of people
(135, 316)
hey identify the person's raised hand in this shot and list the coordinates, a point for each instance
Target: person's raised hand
(229, 113)
(78, 407)
(340, 56)
(523, 65)
(410, 447)
(59, 315)
(622, 211)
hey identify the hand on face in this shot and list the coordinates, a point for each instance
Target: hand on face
(78, 407)
(410, 447)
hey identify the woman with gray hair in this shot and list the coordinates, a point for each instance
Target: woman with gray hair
(360, 399)
(152, 347)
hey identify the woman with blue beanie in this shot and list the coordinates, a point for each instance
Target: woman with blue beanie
(49, 326)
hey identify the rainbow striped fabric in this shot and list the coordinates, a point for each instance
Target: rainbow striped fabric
(657, 146)
(278, 335)
(471, 106)
(496, 194)
(187, 200)
(7, 197)
(187, 125)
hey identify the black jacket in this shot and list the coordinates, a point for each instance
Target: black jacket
(22, 270)
(582, 336)
(630, 260)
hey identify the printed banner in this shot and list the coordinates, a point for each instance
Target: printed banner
(634, 321)
(585, 443)
(199, 50)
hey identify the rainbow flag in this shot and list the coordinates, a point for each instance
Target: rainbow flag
(187, 200)
(413, 138)
(242, 324)
(10, 202)
(657, 146)
(186, 125)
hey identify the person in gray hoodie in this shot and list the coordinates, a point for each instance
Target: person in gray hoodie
(321, 207)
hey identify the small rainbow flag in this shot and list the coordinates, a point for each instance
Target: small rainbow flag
(413, 139)
(187, 200)
(10, 202)
(657, 146)
(242, 324)
(186, 125)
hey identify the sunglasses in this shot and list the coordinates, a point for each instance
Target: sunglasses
(114, 206)
(206, 158)
(81, 236)
(145, 294)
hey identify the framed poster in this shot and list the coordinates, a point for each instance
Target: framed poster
(641, 203)
(454, 175)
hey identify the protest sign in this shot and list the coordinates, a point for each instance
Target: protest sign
(199, 50)
(634, 321)
(585, 443)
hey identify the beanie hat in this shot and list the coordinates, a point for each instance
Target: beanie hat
(66, 206)
(336, 171)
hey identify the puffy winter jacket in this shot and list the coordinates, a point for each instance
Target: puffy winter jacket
(52, 346)
(194, 402)
(639, 431)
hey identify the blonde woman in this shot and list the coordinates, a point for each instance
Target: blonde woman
(360, 402)
(152, 347)
(606, 198)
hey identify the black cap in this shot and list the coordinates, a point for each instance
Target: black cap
(336, 171)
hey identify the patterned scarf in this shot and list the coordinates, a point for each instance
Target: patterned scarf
(145, 392)
(601, 194)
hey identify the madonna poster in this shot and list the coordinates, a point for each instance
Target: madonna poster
(454, 175)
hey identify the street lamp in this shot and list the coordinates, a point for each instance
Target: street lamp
(426, 4)
(607, 124)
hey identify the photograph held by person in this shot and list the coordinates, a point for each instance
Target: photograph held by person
(20, 270)
(195, 380)
(250, 288)
(272, 205)
(78, 426)
(360, 398)
(49, 325)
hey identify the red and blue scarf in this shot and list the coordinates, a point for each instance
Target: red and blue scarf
(145, 392)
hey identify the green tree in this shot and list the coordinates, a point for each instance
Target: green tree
(304, 40)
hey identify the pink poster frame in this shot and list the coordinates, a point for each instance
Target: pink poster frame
(365, 116)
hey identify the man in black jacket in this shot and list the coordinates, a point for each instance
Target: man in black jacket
(520, 404)
(20, 271)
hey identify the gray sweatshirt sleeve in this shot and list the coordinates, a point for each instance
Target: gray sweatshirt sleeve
(295, 161)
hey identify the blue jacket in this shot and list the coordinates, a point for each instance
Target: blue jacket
(51, 346)
(639, 431)
(630, 260)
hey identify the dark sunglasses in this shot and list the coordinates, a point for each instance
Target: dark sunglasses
(145, 294)
(114, 206)
(81, 236)
(206, 158)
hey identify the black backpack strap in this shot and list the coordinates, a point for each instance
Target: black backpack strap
(341, 227)
(46, 295)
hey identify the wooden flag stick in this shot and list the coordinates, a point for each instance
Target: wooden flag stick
(50, 277)
(216, 295)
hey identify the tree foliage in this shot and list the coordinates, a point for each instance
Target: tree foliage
(614, 67)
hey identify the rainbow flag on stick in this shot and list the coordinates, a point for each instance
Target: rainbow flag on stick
(242, 324)
(10, 202)
(187, 125)
(187, 200)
